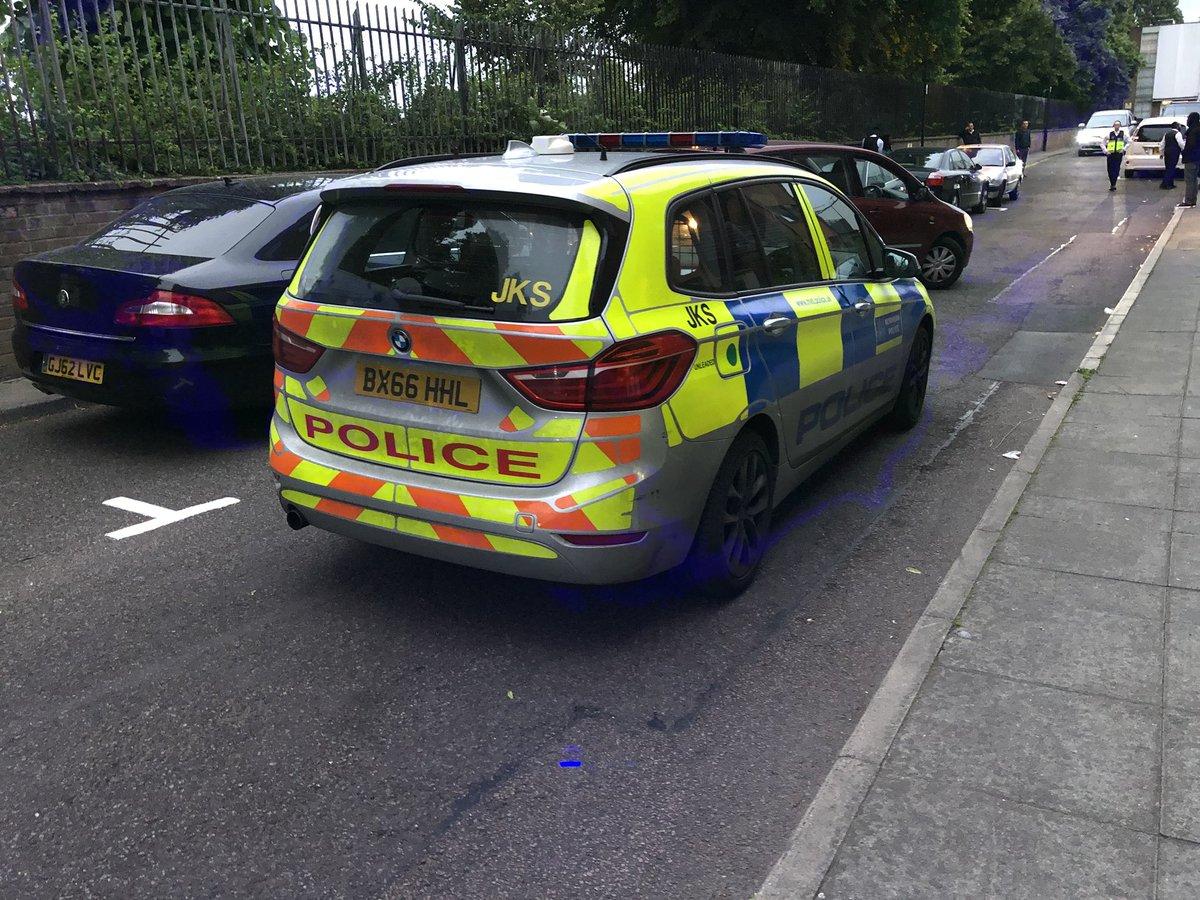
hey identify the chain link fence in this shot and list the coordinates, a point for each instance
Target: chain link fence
(96, 89)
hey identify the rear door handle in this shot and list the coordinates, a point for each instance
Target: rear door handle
(777, 324)
(863, 306)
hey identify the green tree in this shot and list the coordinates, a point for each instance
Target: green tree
(1016, 47)
(908, 38)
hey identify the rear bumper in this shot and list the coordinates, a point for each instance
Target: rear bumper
(1147, 164)
(149, 375)
(427, 515)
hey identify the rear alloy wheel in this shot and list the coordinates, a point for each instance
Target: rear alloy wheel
(1015, 192)
(736, 522)
(982, 205)
(942, 264)
(910, 402)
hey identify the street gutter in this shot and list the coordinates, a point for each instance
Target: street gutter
(814, 843)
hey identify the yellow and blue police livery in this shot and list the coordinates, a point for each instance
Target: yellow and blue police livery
(586, 367)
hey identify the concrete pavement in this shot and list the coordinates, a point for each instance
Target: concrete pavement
(1053, 748)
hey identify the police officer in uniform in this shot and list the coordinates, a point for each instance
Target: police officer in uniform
(1114, 149)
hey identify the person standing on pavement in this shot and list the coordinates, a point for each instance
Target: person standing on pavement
(1170, 150)
(1021, 141)
(1191, 158)
(1114, 149)
(969, 135)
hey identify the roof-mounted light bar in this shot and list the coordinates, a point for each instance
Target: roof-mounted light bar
(659, 140)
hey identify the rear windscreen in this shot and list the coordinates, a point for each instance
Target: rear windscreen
(186, 224)
(512, 263)
(986, 156)
(1152, 134)
(918, 159)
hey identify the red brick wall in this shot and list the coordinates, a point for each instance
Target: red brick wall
(37, 217)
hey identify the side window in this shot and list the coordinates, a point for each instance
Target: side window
(748, 269)
(695, 261)
(878, 182)
(833, 168)
(289, 243)
(962, 161)
(787, 244)
(847, 245)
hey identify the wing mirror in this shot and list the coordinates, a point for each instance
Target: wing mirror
(1081, 125)
(900, 264)
(976, 167)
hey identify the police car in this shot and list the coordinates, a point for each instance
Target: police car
(587, 367)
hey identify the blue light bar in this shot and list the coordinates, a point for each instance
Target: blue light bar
(657, 140)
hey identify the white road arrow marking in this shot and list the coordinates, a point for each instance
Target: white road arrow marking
(158, 516)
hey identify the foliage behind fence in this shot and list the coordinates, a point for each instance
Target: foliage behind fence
(111, 88)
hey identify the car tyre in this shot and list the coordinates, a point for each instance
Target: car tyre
(943, 263)
(982, 205)
(910, 402)
(735, 525)
(1015, 192)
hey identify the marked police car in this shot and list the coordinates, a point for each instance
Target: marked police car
(586, 367)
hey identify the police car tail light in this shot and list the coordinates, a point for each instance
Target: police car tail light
(20, 302)
(167, 309)
(641, 372)
(292, 352)
(633, 374)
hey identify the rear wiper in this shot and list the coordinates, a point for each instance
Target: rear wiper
(440, 301)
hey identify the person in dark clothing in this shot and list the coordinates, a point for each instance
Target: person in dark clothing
(1170, 149)
(873, 142)
(1114, 149)
(1021, 141)
(1191, 159)
(969, 135)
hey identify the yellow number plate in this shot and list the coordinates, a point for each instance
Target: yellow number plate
(75, 369)
(418, 386)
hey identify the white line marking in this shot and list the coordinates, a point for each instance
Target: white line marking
(1045, 259)
(964, 420)
(1119, 224)
(158, 516)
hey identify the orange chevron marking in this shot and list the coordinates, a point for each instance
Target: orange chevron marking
(438, 501)
(613, 426)
(356, 484)
(462, 536)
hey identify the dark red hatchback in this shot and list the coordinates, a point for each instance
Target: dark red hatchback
(904, 212)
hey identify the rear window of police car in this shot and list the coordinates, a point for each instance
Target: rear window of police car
(510, 263)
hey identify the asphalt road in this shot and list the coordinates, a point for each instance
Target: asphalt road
(222, 706)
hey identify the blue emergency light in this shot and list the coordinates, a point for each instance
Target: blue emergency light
(658, 140)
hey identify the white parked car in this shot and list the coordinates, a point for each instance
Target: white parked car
(1144, 152)
(1091, 135)
(1002, 172)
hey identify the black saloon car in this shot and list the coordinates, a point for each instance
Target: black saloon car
(948, 172)
(171, 304)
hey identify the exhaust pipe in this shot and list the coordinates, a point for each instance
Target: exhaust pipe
(295, 519)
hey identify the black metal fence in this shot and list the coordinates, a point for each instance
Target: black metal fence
(112, 88)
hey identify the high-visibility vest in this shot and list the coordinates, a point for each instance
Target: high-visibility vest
(1117, 145)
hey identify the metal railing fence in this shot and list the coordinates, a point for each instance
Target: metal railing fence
(93, 89)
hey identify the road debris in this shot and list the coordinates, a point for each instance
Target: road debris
(913, 570)
(1012, 454)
